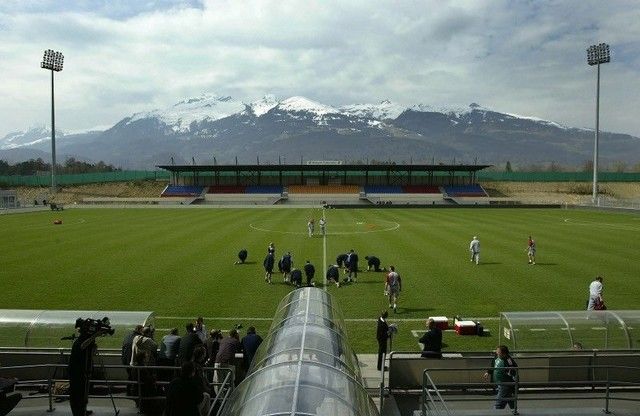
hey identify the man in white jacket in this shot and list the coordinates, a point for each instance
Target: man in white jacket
(474, 248)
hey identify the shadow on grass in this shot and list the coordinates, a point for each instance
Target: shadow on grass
(545, 264)
(246, 262)
(488, 263)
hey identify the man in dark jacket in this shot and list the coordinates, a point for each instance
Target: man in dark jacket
(242, 256)
(187, 344)
(296, 277)
(309, 272)
(352, 265)
(333, 274)
(250, 344)
(268, 263)
(185, 393)
(432, 341)
(341, 259)
(373, 262)
(286, 263)
(382, 334)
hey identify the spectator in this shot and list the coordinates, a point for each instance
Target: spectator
(250, 344)
(187, 344)
(432, 341)
(144, 354)
(127, 347)
(373, 262)
(503, 373)
(382, 335)
(199, 360)
(184, 393)
(333, 274)
(200, 329)
(169, 348)
(229, 346)
(213, 345)
(595, 295)
(309, 272)
(127, 344)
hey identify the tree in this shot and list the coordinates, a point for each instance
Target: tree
(508, 168)
(587, 166)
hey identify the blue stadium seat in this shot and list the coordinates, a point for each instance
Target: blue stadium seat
(465, 190)
(182, 190)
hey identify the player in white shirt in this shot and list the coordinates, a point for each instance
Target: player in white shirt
(310, 225)
(595, 293)
(323, 225)
(474, 248)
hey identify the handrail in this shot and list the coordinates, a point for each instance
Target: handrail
(427, 381)
(606, 382)
(225, 386)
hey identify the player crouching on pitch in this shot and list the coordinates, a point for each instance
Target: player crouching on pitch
(333, 274)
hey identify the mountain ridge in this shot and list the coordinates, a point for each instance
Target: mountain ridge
(218, 126)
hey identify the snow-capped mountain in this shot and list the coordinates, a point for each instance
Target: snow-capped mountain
(207, 107)
(223, 127)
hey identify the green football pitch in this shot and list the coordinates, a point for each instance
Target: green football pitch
(180, 264)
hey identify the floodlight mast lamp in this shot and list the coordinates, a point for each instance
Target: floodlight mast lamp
(596, 55)
(52, 61)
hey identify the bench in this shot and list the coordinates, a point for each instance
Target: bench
(56, 207)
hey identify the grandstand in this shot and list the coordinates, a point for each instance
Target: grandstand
(331, 184)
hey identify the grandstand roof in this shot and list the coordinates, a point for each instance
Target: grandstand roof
(326, 168)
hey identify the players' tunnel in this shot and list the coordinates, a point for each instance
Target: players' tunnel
(305, 365)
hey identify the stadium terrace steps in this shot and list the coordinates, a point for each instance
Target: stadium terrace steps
(182, 191)
(464, 191)
(323, 189)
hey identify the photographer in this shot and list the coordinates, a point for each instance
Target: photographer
(80, 367)
(81, 361)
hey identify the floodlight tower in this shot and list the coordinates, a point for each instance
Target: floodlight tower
(596, 55)
(53, 61)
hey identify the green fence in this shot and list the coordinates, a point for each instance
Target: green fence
(83, 178)
(557, 176)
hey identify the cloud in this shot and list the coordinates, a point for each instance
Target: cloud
(123, 57)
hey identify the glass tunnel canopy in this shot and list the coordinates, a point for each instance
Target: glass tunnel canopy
(44, 328)
(304, 366)
(562, 330)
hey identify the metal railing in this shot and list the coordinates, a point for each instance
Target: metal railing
(597, 388)
(220, 379)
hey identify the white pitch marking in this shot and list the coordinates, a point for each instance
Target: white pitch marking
(394, 227)
(537, 329)
(248, 318)
(324, 250)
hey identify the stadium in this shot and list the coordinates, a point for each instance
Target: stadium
(171, 258)
(289, 208)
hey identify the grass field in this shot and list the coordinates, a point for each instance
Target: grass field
(179, 263)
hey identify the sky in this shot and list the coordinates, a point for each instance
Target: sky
(123, 57)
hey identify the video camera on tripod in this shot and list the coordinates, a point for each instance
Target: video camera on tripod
(96, 327)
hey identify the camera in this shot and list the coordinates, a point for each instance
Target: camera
(393, 329)
(91, 327)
